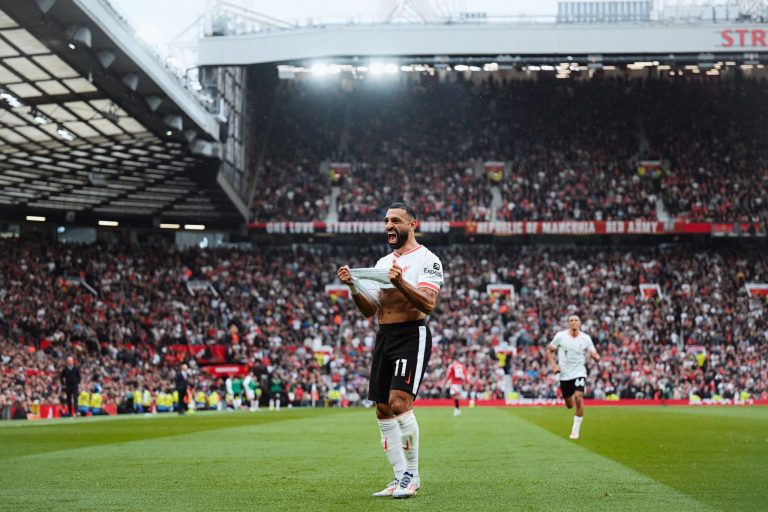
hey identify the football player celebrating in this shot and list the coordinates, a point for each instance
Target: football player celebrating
(403, 343)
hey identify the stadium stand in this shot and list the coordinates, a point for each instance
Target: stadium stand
(575, 149)
(133, 143)
(268, 310)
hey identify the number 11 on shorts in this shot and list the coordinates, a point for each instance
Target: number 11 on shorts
(398, 364)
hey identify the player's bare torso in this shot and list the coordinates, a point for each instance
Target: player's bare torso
(395, 308)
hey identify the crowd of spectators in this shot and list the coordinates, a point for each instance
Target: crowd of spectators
(267, 308)
(572, 148)
(712, 136)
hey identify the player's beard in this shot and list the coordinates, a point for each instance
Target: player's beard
(402, 238)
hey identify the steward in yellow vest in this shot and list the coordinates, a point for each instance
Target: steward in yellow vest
(83, 403)
(164, 402)
(213, 401)
(138, 406)
(200, 400)
(147, 401)
(97, 403)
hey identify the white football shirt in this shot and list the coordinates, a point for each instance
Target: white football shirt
(420, 267)
(572, 353)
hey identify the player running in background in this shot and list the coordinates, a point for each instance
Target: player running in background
(572, 347)
(456, 378)
(403, 343)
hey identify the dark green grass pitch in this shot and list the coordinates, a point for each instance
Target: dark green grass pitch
(632, 458)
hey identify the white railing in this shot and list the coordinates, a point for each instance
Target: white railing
(227, 19)
(175, 67)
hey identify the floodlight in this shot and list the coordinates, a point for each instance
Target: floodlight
(64, 133)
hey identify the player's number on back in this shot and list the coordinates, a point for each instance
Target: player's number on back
(400, 365)
(580, 382)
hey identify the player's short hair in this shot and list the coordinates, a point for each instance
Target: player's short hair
(403, 206)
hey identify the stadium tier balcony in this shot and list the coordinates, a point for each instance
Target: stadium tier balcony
(599, 150)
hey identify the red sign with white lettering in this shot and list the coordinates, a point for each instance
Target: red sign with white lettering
(511, 228)
(757, 290)
(220, 370)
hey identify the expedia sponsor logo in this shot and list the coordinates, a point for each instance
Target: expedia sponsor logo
(436, 266)
(433, 272)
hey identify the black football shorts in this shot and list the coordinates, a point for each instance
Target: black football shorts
(569, 387)
(400, 358)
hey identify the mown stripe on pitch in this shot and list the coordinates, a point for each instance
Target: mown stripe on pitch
(163, 425)
(756, 413)
(601, 482)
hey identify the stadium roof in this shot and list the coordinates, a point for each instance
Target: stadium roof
(91, 123)
(424, 31)
(504, 40)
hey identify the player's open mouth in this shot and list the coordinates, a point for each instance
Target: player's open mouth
(392, 237)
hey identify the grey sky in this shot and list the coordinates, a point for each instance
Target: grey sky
(160, 21)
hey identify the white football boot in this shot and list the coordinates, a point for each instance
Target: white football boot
(389, 490)
(408, 486)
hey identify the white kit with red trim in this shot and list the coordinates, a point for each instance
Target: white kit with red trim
(420, 267)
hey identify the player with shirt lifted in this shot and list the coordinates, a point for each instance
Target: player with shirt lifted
(572, 347)
(403, 343)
